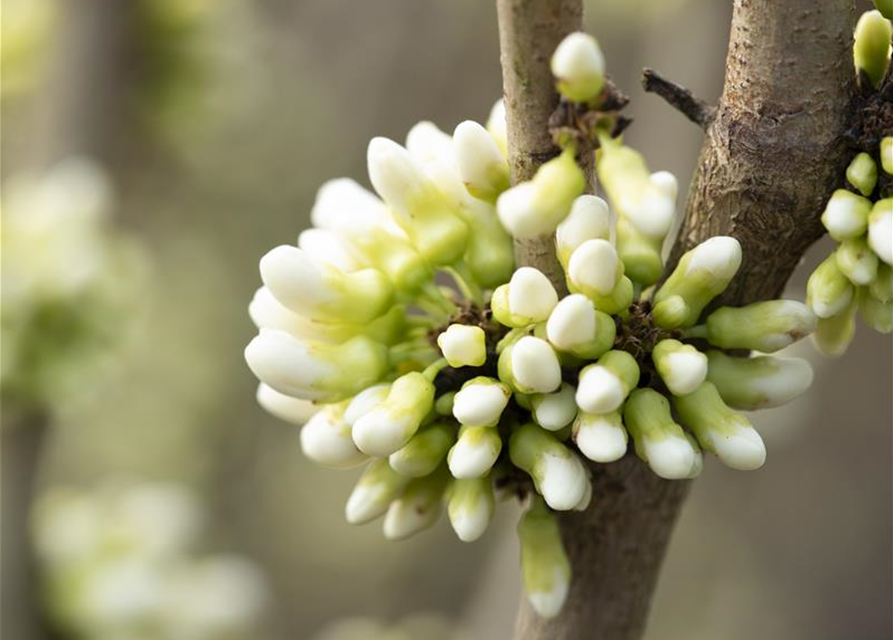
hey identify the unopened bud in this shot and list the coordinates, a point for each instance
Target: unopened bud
(846, 215)
(480, 402)
(862, 173)
(594, 268)
(641, 255)
(326, 439)
(544, 565)
(759, 382)
(833, 335)
(887, 153)
(589, 219)
(658, 439)
(526, 299)
(293, 410)
(880, 229)
(857, 261)
(876, 314)
(882, 287)
(364, 402)
(871, 51)
(470, 506)
(557, 472)
(463, 345)
(579, 67)
(601, 438)
(496, 126)
(530, 366)
(828, 290)
(681, 366)
(374, 491)
(417, 509)
(765, 326)
(475, 452)
(481, 164)
(605, 385)
(554, 411)
(720, 430)
(425, 451)
(671, 312)
(576, 327)
(390, 425)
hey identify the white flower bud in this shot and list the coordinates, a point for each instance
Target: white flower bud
(417, 509)
(659, 441)
(425, 451)
(681, 366)
(601, 438)
(463, 345)
(322, 292)
(528, 298)
(327, 247)
(594, 268)
(544, 564)
(875, 313)
(557, 472)
(759, 382)
(480, 402)
(880, 229)
(364, 402)
(554, 411)
(871, 47)
(857, 261)
(887, 154)
(604, 386)
(470, 507)
(862, 173)
(475, 452)
(579, 67)
(576, 327)
(535, 208)
(828, 290)
(720, 430)
(293, 410)
(312, 370)
(390, 424)
(374, 491)
(530, 366)
(481, 165)
(764, 326)
(497, 127)
(589, 219)
(667, 183)
(326, 439)
(846, 215)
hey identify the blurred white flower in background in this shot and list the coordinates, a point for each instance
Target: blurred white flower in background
(120, 562)
(419, 626)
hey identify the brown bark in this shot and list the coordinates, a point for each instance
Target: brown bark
(771, 155)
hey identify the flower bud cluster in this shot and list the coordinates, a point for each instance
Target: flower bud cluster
(857, 277)
(498, 384)
(120, 561)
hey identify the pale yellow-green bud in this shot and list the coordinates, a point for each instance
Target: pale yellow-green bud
(490, 253)
(887, 154)
(425, 451)
(526, 299)
(876, 314)
(871, 51)
(475, 451)
(374, 491)
(618, 300)
(576, 327)
(641, 255)
(545, 568)
(557, 472)
(880, 229)
(846, 215)
(828, 290)
(463, 345)
(702, 274)
(670, 313)
(833, 335)
(765, 326)
(862, 173)
(659, 441)
(759, 382)
(604, 385)
(470, 506)
(579, 67)
(600, 437)
(720, 430)
(418, 508)
(857, 261)
(390, 425)
(882, 287)
(681, 366)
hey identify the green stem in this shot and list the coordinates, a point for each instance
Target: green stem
(434, 368)
(699, 331)
(511, 337)
(466, 282)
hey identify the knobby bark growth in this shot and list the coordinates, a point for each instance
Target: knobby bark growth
(774, 150)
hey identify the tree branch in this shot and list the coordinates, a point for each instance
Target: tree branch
(679, 98)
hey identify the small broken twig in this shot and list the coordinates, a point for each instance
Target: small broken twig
(679, 98)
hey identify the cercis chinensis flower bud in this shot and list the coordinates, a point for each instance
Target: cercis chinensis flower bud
(464, 382)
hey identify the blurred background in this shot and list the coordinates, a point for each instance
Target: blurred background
(209, 125)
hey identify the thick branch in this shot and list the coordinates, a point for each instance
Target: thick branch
(679, 98)
(776, 148)
(529, 31)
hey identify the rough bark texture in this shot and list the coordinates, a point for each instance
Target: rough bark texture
(776, 148)
(529, 31)
(771, 156)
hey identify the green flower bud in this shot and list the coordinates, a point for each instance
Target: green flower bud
(374, 491)
(601, 438)
(418, 508)
(764, 326)
(720, 430)
(880, 229)
(576, 327)
(475, 452)
(681, 366)
(658, 439)
(857, 261)
(471, 504)
(882, 287)
(419, 207)
(846, 215)
(887, 154)
(759, 382)
(443, 406)
(641, 255)
(490, 254)
(425, 451)
(618, 300)
(828, 290)
(579, 67)
(670, 313)
(833, 335)
(535, 208)
(557, 472)
(604, 385)
(544, 565)
(885, 7)
(526, 299)
(871, 51)
(390, 425)
(876, 314)
(862, 173)
(702, 274)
